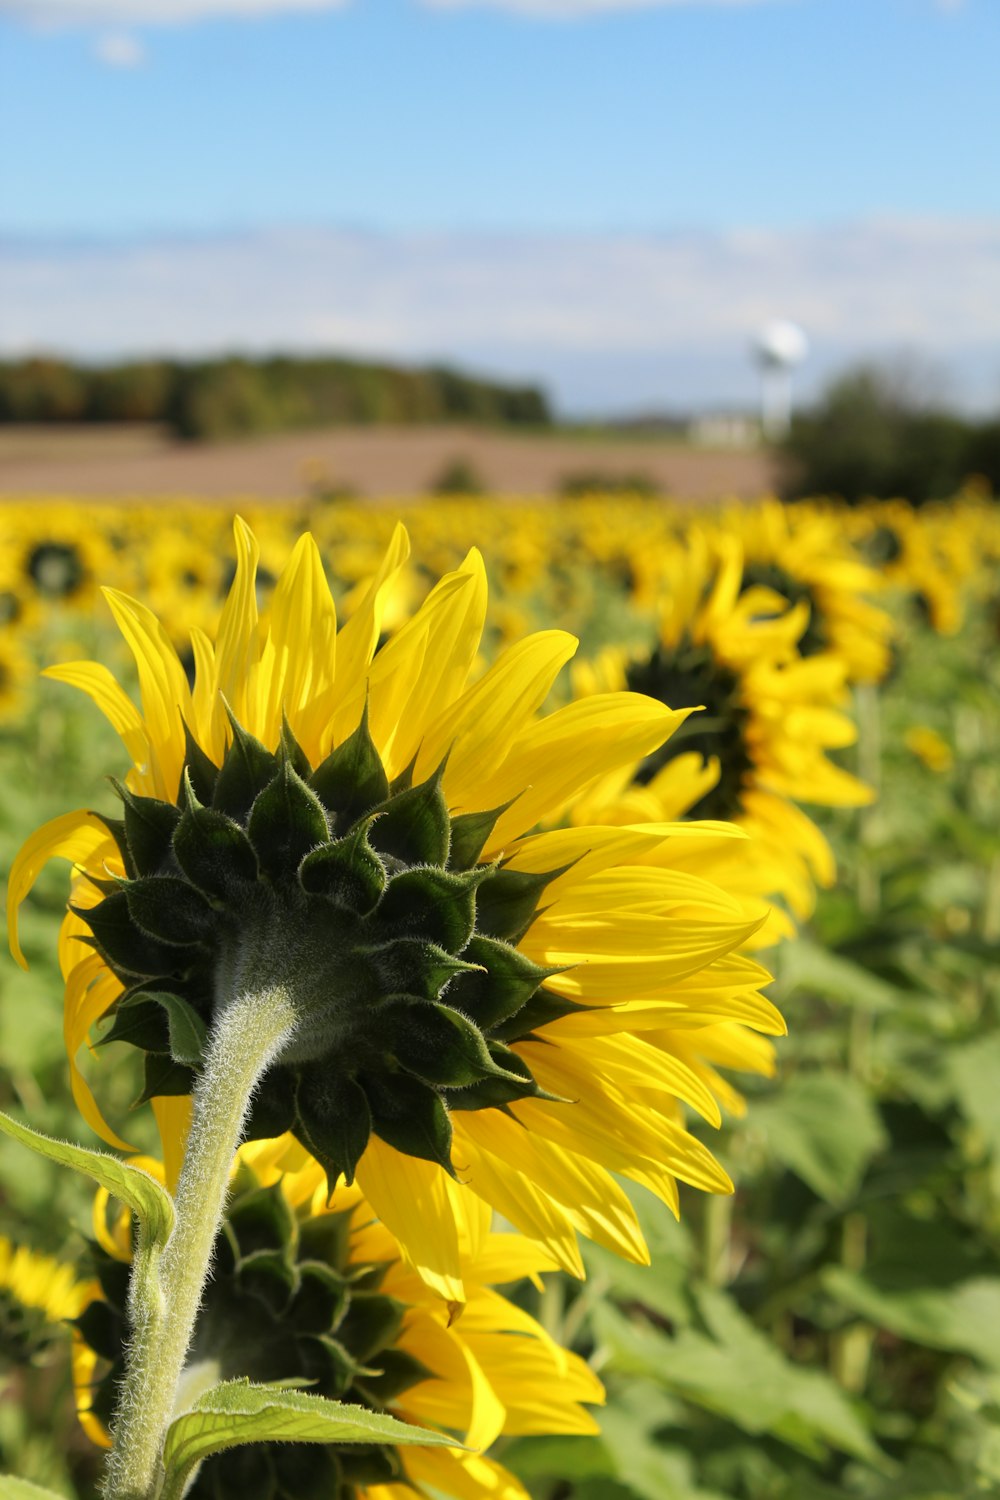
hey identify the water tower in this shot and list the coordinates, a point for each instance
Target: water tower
(778, 348)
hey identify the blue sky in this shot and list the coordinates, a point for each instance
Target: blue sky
(503, 124)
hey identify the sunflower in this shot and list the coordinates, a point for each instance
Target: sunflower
(16, 671)
(486, 1013)
(310, 1290)
(37, 1294)
(801, 554)
(757, 746)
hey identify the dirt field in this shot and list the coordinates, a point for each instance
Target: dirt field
(383, 461)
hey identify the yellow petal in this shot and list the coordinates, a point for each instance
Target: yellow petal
(76, 836)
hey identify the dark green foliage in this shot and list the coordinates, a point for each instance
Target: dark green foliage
(236, 396)
(869, 437)
(458, 477)
(583, 482)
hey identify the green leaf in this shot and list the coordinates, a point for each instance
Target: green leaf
(187, 1029)
(733, 1370)
(12, 1488)
(974, 1070)
(964, 1319)
(237, 1412)
(825, 1129)
(807, 966)
(151, 1204)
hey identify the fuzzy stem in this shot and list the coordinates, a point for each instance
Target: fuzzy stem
(243, 1042)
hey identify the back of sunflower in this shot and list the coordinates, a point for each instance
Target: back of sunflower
(326, 916)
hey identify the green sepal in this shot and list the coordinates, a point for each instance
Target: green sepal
(352, 780)
(326, 1237)
(328, 1363)
(149, 826)
(286, 821)
(415, 827)
(433, 1042)
(169, 910)
(163, 1077)
(246, 770)
(469, 832)
(261, 1219)
(514, 1082)
(215, 854)
(291, 752)
(397, 1372)
(501, 987)
(410, 966)
(121, 944)
(186, 1028)
(411, 1117)
(508, 902)
(320, 1299)
(139, 1022)
(347, 872)
(333, 1121)
(435, 904)
(268, 1276)
(201, 769)
(372, 1321)
(116, 828)
(544, 1007)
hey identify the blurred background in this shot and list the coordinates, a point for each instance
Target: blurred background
(525, 245)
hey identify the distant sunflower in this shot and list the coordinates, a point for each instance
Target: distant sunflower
(303, 1290)
(62, 554)
(802, 555)
(920, 555)
(757, 744)
(37, 1294)
(16, 672)
(487, 1012)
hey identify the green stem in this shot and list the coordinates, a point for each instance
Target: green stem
(717, 1235)
(243, 1042)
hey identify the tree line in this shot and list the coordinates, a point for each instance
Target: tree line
(236, 396)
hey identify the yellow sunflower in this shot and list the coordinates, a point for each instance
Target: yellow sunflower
(340, 1308)
(802, 553)
(759, 743)
(484, 1014)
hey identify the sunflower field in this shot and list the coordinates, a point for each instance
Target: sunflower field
(504, 1001)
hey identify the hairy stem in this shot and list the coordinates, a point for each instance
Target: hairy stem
(243, 1042)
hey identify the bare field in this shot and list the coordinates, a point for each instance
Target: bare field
(375, 461)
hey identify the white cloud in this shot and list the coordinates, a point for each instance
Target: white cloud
(117, 49)
(613, 320)
(59, 13)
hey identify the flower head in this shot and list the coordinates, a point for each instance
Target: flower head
(309, 1291)
(488, 1016)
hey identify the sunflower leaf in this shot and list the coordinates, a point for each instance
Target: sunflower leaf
(151, 1203)
(12, 1488)
(238, 1412)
